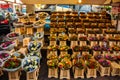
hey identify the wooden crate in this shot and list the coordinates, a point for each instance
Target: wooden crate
(92, 43)
(74, 43)
(1, 72)
(81, 34)
(65, 74)
(62, 42)
(104, 71)
(96, 52)
(26, 41)
(118, 43)
(83, 43)
(16, 42)
(33, 75)
(14, 75)
(111, 43)
(85, 52)
(78, 73)
(115, 69)
(89, 35)
(29, 30)
(40, 29)
(101, 43)
(52, 73)
(18, 30)
(23, 50)
(63, 52)
(108, 35)
(91, 73)
(99, 35)
(52, 42)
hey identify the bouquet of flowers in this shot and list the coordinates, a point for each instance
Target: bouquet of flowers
(72, 30)
(76, 56)
(65, 64)
(96, 47)
(7, 45)
(39, 23)
(63, 48)
(52, 55)
(12, 35)
(76, 48)
(52, 47)
(39, 35)
(65, 55)
(83, 38)
(93, 38)
(105, 47)
(63, 37)
(110, 57)
(92, 64)
(98, 57)
(4, 55)
(84, 48)
(53, 38)
(34, 46)
(74, 38)
(53, 63)
(116, 48)
(79, 63)
(18, 55)
(29, 64)
(104, 62)
(86, 56)
(35, 53)
(81, 31)
(12, 64)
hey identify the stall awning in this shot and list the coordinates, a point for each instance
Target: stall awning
(96, 2)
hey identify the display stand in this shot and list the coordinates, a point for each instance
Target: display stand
(91, 73)
(92, 43)
(52, 73)
(52, 42)
(65, 74)
(104, 70)
(62, 42)
(78, 73)
(29, 30)
(33, 75)
(40, 29)
(26, 41)
(1, 72)
(111, 43)
(74, 43)
(14, 75)
(115, 69)
(83, 43)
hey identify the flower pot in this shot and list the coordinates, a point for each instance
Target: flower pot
(91, 73)
(115, 69)
(104, 70)
(64, 74)
(78, 73)
(52, 72)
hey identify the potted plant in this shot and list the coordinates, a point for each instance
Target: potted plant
(104, 67)
(52, 47)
